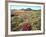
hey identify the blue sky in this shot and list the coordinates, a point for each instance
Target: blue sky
(24, 7)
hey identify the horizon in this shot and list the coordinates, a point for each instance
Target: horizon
(25, 7)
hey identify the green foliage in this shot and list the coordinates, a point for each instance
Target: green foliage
(15, 21)
(35, 20)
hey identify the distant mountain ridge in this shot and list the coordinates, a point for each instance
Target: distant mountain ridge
(28, 9)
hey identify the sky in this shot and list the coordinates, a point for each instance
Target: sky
(25, 7)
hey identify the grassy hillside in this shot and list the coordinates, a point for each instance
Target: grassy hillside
(32, 17)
